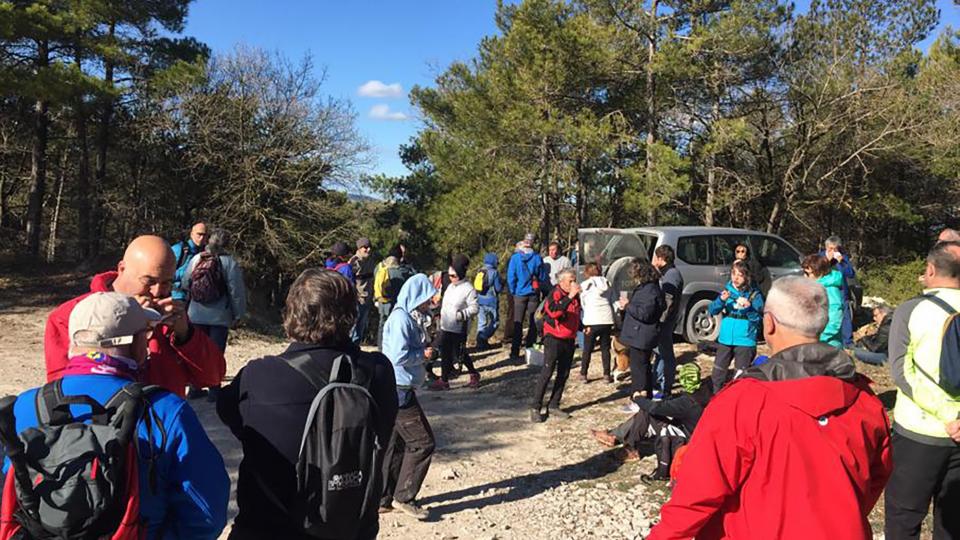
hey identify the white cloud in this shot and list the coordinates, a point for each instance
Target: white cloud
(377, 89)
(383, 112)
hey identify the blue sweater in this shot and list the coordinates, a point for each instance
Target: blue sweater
(191, 502)
(739, 326)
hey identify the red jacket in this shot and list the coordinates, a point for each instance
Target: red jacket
(197, 362)
(802, 458)
(561, 315)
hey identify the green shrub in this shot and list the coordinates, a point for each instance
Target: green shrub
(892, 282)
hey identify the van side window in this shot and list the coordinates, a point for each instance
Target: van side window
(775, 253)
(695, 249)
(724, 247)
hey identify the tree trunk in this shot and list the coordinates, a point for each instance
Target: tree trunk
(83, 176)
(103, 142)
(4, 210)
(38, 161)
(651, 98)
(55, 221)
(710, 205)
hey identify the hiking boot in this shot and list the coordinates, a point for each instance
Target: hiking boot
(625, 455)
(411, 509)
(474, 380)
(609, 378)
(438, 384)
(604, 437)
(558, 413)
(535, 416)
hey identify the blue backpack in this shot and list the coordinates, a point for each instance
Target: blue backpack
(949, 380)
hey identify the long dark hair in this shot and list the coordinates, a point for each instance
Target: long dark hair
(642, 272)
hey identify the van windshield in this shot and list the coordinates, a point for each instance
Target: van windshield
(606, 246)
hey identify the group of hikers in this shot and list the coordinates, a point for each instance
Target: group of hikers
(791, 444)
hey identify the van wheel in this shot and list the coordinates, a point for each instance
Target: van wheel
(699, 325)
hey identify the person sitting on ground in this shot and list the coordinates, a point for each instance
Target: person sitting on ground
(183, 484)
(458, 305)
(267, 405)
(597, 320)
(819, 268)
(561, 322)
(488, 298)
(183, 253)
(408, 454)
(872, 348)
(643, 310)
(798, 447)
(179, 354)
(759, 273)
(741, 305)
(682, 410)
(218, 292)
(339, 261)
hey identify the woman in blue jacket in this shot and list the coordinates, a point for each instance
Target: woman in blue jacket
(741, 305)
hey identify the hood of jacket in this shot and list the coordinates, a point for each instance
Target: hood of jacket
(417, 290)
(491, 260)
(103, 282)
(815, 378)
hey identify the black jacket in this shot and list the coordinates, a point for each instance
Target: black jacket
(879, 341)
(683, 409)
(641, 319)
(266, 407)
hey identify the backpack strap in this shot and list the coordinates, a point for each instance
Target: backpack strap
(53, 407)
(940, 302)
(128, 407)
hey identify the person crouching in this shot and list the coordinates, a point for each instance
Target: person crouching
(561, 322)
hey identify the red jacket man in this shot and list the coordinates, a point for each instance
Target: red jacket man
(179, 355)
(798, 447)
(561, 320)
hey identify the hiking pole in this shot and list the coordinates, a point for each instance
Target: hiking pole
(17, 453)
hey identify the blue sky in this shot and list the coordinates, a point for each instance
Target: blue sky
(395, 43)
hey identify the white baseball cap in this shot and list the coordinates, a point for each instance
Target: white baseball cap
(109, 319)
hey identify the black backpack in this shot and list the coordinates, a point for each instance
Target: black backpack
(76, 480)
(949, 380)
(207, 284)
(396, 277)
(338, 482)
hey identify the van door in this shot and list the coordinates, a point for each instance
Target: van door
(780, 258)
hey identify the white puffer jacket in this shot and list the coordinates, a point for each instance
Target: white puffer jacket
(595, 298)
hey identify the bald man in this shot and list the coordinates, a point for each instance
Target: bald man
(948, 235)
(183, 252)
(178, 355)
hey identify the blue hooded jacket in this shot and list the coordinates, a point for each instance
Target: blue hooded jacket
(191, 500)
(495, 284)
(739, 326)
(524, 266)
(178, 292)
(403, 338)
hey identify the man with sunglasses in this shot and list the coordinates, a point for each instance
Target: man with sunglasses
(184, 487)
(798, 447)
(179, 355)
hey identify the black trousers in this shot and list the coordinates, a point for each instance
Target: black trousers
(452, 349)
(598, 333)
(922, 472)
(557, 354)
(524, 308)
(408, 455)
(742, 358)
(640, 375)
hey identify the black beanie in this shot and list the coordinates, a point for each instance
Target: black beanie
(459, 263)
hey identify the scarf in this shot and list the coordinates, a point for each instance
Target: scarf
(98, 363)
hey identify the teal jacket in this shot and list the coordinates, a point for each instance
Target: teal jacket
(834, 284)
(739, 325)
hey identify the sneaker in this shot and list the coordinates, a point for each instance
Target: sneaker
(558, 414)
(474, 380)
(411, 509)
(438, 384)
(630, 408)
(535, 416)
(658, 396)
(604, 437)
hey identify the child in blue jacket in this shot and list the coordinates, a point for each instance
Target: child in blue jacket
(741, 305)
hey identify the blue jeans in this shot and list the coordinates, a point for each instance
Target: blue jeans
(360, 327)
(846, 326)
(488, 320)
(666, 364)
(870, 357)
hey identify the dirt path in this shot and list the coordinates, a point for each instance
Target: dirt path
(494, 474)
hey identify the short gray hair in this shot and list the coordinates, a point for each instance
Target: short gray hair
(799, 303)
(884, 308)
(218, 241)
(567, 272)
(833, 240)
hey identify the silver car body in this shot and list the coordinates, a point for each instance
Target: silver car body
(703, 257)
